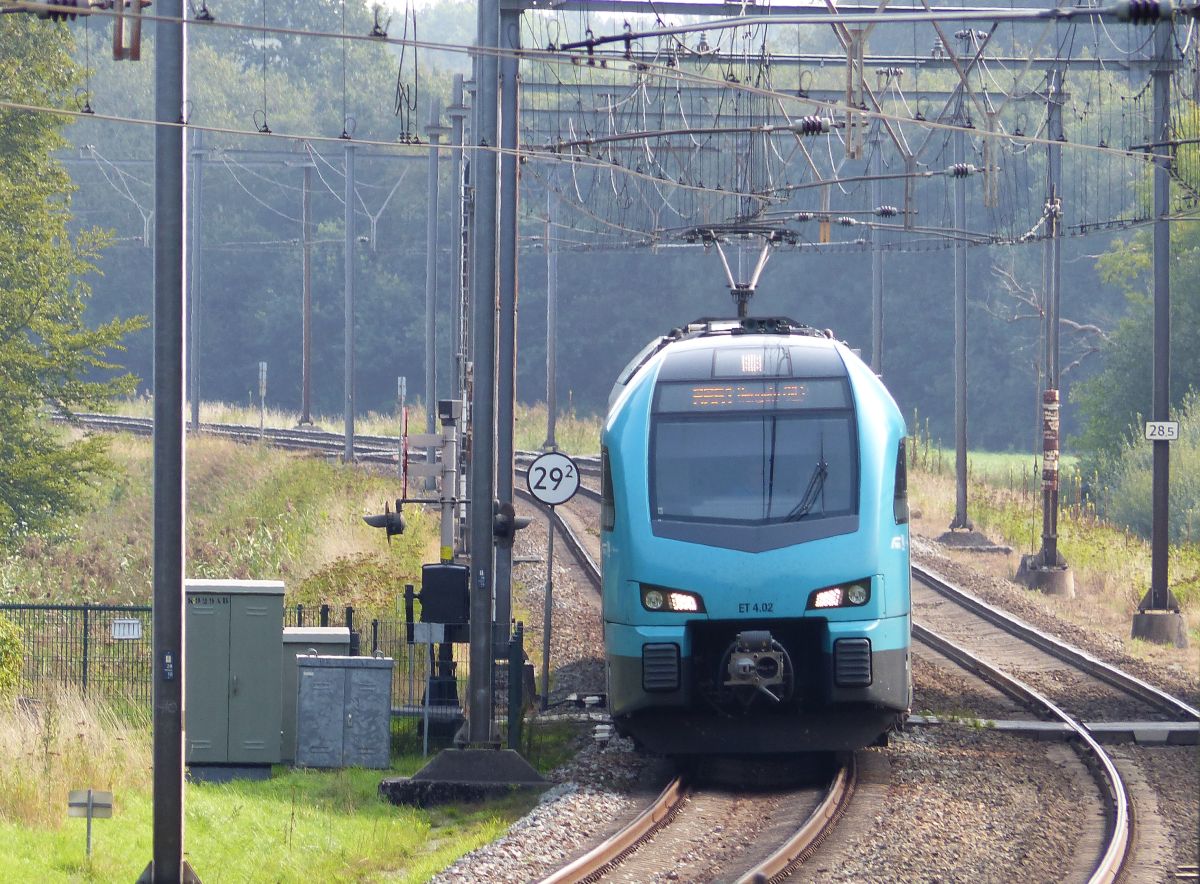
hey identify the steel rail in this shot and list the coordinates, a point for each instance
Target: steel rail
(1120, 822)
(606, 855)
(819, 825)
(1082, 660)
(574, 544)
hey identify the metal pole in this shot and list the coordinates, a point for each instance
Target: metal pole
(483, 315)
(1159, 594)
(457, 113)
(506, 362)
(551, 444)
(306, 320)
(434, 131)
(547, 612)
(348, 400)
(194, 292)
(1052, 292)
(960, 340)
(876, 254)
(449, 478)
(170, 348)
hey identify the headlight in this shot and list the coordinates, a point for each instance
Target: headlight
(660, 598)
(846, 595)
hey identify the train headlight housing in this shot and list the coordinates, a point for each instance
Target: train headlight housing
(660, 598)
(844, 595)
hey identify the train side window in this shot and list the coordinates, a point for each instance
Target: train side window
(900, 502)
(608, 509)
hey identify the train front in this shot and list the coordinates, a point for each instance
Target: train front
(755, 549)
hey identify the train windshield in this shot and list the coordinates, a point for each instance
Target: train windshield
(770, 467)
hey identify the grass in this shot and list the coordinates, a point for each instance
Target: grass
(301, 825)
(253, 512)
(1111, 565)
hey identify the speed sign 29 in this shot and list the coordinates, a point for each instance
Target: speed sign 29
(553, 478)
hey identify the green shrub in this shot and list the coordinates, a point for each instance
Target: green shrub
(1130, 497)
(12, 657)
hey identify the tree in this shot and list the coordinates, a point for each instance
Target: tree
(48, 357)
(1112, 401)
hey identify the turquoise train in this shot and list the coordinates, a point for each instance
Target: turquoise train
(755, 544)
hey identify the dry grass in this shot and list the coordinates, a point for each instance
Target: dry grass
(64, 743)
(1111, 566)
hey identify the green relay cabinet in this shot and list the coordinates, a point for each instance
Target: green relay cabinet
(234, 655)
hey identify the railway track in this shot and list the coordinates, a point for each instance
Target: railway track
(655, 840)
(1052, 697)
(1114, 695)
(637, 851)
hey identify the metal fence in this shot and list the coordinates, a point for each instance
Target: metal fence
(102, 650)
(106, 651)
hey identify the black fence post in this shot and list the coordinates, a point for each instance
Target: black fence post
(86, 630)
(354, 640)
(374, 636)
(324, 615)
(516, 706)
(299, 614)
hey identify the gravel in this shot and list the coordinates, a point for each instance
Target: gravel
(951, 803)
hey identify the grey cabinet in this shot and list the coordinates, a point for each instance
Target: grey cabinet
(344, 711)
(234, 650)
(324, 641)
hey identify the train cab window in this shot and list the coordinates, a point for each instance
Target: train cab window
(900, 503)
(754, 464)
(608, 509)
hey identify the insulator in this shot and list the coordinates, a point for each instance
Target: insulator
(960, 170)
(1140, 12)
(846, 221)
(811, 125)
(804, 216)
(887, 211)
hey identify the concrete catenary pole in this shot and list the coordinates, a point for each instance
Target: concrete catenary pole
(960, 334)
(1158, 618)
(1052, 293)
(434, 131)
(506, 361)
(457, 113)
(551, 444)
(876, 253)
(170, 348)
(484, 166)
(194, 292)
(348, 289)
(306, 310)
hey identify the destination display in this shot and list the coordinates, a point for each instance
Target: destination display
(717, 396)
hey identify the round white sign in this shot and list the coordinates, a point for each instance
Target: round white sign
(553, 478)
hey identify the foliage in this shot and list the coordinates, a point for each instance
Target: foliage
(67, 742)
(1114, 401)
(12, 657)
(253, 512)
(46, 350)
(300, 825)
(1131, 498)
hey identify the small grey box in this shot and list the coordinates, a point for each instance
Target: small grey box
(325, 641)
(344, 711)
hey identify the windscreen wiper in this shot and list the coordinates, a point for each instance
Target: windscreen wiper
(811, 494)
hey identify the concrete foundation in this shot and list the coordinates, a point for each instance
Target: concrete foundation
(1160, 627)
(1058, 580)
(463, 775)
